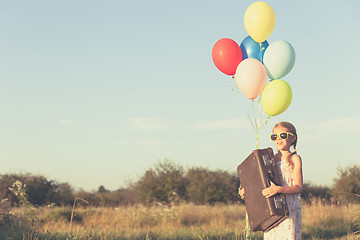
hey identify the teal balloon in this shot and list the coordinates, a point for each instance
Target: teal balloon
(279, 59)
(251, 49)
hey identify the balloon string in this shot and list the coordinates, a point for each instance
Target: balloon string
(258, 121)
(236, 85)
(247, 226)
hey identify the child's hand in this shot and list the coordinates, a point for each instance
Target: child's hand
(241, 192)
(270, 191)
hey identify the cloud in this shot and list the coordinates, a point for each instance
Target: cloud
(63, 122)
(232, 123)
(342, 124)
(205, 147)
(124, 140)
(140, 142)
(333, 125)
(152, 143)
(150, 124)
(327, 130)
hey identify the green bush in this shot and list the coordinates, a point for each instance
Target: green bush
(208, 187)
(313, 192)
(61, 214)
(39, 190)
(346, 186)
(165, 183)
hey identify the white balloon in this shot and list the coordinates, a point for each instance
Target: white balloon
(279, 59)
(250, 77)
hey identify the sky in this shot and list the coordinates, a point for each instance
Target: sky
(97, 92)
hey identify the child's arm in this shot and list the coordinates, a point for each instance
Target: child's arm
(298, 181)
(241, 192)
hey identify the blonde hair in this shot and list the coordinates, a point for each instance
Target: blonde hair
(291, 129)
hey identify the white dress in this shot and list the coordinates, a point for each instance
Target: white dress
(290, 228)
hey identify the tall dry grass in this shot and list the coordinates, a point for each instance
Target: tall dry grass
(186, 221)
(329, 221)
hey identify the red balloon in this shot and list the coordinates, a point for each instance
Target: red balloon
(226, 55)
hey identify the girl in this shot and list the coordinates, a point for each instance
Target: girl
(284, 136)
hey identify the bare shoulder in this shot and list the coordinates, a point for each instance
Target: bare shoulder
(296, 159)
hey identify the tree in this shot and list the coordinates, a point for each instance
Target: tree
(315, 192)
(7, 181)
(64, 194)
(39, 190)
(208, 187)
(125, 196)
(161, 184)
(102, 189)
(347, 185)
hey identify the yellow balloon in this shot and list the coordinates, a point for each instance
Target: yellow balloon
(259, 21)
(276, 97)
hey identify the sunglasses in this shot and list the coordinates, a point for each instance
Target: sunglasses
(283, 135)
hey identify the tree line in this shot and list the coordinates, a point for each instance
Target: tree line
(169, 183)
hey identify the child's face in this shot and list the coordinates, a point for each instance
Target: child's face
(283, 144)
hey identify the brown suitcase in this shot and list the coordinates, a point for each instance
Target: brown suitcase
(255, 174)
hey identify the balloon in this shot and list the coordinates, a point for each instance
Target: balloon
(276, 97)
(252, 49)
(259, 21)
(226, 55)
(250, 77)
(279, 59)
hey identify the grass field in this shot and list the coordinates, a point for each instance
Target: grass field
(186, 221)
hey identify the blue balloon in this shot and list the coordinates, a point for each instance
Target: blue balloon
(251, 49)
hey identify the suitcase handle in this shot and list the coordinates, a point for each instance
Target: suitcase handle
(270, 177)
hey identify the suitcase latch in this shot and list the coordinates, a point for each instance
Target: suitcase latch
(267, 160)
(278, 202)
